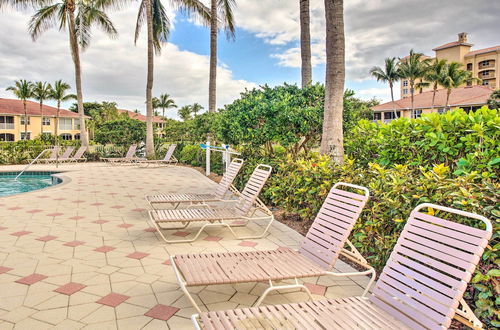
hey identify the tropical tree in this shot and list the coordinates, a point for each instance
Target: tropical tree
(494, 100)
(332, 141)
(305, 43)
(434, 75)
(41, 92)
(158, 28)
(221, 12)
(195, 108)
(163, 102)
(59, 94)
(413, 68)
(454, 77)
(185, 112)
(77, 17)
(388, 74)
(23, 90)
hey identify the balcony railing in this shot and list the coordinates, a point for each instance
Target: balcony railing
(6, 125)
(491, 64)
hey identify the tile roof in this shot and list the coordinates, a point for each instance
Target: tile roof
(15, 107)
(482, 51)
(452, 44)
(463, 96)
(140, 116)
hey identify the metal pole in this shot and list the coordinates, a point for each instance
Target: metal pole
(207, 166)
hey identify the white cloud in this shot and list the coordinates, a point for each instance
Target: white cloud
(112, 69)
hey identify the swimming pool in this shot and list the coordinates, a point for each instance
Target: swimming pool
(29, 181)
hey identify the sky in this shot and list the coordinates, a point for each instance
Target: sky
(265, 50)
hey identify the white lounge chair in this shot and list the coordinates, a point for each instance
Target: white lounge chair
(78, 156)
(129, 157)
(167, 160)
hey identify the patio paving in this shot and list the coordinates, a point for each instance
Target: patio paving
(81, 255)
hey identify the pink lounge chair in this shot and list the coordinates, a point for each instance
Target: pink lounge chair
(218, 195)
(52, 156)
(78, 156)
(167, 160)
(129, 157)
(66, 155)
(243, 210)
(421, 286)
(317, 255)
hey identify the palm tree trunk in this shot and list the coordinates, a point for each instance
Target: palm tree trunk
(212, 80)
(392, 98)
(448, 93)
(150, 149)
(433, 96)
(332, 140)
(412, 91)
(56, 141)
(75, 52)
(305, 43)
(25, 120)
(41, 118)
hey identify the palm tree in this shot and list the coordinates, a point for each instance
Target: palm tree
(332, 141)
(388, 74)
(41, 92)
(185, 112)
(195, 108)
(494, 100)
(22, 89)
(59, 95)
(434, 76)
(77, 17)
(224, 10)
(163, 102)
(454, 77)
(158, 28)
(413, 68)
(305, 43)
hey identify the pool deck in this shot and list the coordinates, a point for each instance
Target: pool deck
(81, 255)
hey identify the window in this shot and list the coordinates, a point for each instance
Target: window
(77, 124)
(485, 83)
(23, 120)
(77, 136)
(377, 116)
(7, 137)
(6, 122)
(486, 73)
(65, 124)
(469, 66)
(417, 114)
(46, 121)
(405, 91)
(26, 136)
(66, 136)
(405, 83)
(441, 110)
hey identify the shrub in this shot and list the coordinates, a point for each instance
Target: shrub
(121, 132)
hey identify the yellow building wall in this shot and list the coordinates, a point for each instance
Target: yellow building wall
(475, 60)
(34, 127)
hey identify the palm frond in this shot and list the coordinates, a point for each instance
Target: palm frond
(141, 18)
(161, 25)
(227, 17)
(193, 7)
(42, 20)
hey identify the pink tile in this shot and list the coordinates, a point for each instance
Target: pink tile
(248, 243)
(21, 233)
(112, 299)
(97, 204)
(59, 199)
(117, 207)
(3, 228)
(34, 211)
(46, 238)
(56, 214)
(5, 269)
(14, 208)
(100, 222)
(125, 225)
(167, 262)
(150, 230)
(181, 233)
(138, 255)
(104, 249)
(31, 279)
(77, 201)
(74, 243)
(137, 210)
(316, 289)
(212, 238)
(70, 288)
(77, 217)
(162, 312)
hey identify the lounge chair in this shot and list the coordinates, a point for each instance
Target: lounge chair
(421, 286)
(218, 195)
(52, 156)
(168, 159)
(317, 255)
(66, 155)
(78, 156)
(129, 157)
(243, 210)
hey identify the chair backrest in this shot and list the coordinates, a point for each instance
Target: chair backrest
(79, 153)
(429, 268)
(333, 224)
(228, 178)
(67, 152)
(53, 152)
(253, 187)
(170, 152)
(131, 151)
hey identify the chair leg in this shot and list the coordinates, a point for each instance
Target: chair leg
(182, 284)
(273, 287)
(264, 233)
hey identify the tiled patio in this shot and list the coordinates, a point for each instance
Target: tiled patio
(81, 254)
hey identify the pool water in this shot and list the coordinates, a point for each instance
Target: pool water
(29, 181)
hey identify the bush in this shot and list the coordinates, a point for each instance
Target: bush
(121, 132)
(21, 151)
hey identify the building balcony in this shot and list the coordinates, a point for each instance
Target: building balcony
(487, 64)
(486, 74)
(6, 126)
